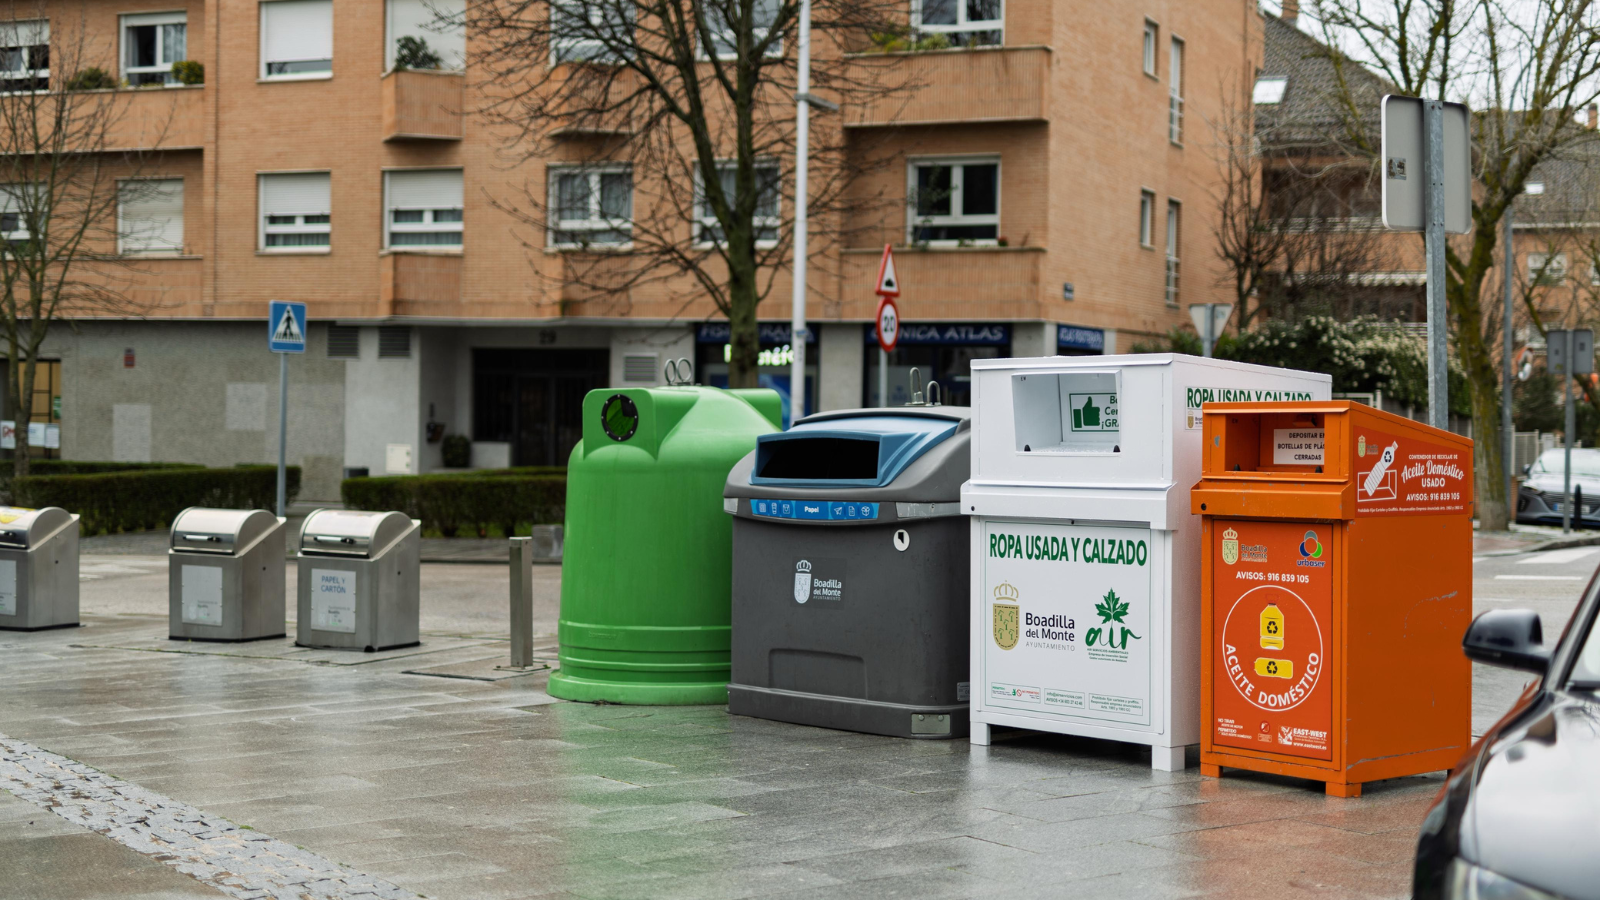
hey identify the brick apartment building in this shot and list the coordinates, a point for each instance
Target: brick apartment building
(307, 168)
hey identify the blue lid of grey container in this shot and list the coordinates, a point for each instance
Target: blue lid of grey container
(861, 448)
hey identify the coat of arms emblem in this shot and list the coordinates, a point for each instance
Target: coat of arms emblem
(1007, 617)
(1230, 546)
(802, 581)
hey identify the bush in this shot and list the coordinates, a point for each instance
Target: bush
(904, 40)
(457, 451)
(189, 71)
(93, 78)
(139, 499)
(79, 467)
(448, 504)
(413, 53)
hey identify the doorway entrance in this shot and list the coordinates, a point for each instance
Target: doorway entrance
(533, 399)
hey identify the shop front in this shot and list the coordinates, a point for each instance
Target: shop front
(940, 351)
(712, 352)
(1076, 340)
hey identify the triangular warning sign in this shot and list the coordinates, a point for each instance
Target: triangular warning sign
(888, 281)
(288, 329)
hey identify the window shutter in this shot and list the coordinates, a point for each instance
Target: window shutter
(420, 19)
(432, 189)
(305, 194)
(394, 341)
(152, 215)
(25, 34)
(297, 29)
(639, 368)
(344, 342)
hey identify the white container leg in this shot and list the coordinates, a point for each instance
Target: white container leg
(980, 734)
(1167, 759)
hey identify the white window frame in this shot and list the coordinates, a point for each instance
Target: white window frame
(261, 49)
(1174, 247)
(23, 233)
(1152, 44)
(962, 25)
(140, 20)
(1554, 276)
(300, 226)
(449, 59)
(775, 50)
(596, 222)
(703, 221)
(570, 49)
(1269, 90)
(123, 229)
(427, 225)
(957, 185)
(1147, 218)
(42, 39)
(1176, 61)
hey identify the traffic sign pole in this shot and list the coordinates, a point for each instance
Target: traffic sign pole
(283, 432)
(1433, 242)
(286, 334)
(888, 329)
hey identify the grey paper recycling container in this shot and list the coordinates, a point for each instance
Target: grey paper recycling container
(38, 569)
(850, 573)
(225, 575)
(360, 580)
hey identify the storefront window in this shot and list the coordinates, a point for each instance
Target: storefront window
(775, 364)
(940, 352)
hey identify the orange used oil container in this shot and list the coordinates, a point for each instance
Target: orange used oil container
(1336, 585)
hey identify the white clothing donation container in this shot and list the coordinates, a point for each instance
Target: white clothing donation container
(1086, 559)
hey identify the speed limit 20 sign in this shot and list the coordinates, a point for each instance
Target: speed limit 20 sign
(888, 323)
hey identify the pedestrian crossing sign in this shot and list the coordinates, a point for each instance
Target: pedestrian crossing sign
(286, 324)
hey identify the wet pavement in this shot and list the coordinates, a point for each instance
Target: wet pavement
(432, 771)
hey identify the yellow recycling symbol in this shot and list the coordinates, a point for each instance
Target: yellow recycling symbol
(1275, 668)
(1272, 628)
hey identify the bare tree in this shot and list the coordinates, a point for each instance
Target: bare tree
(63, 148)
(1529, 69)
(681, 116)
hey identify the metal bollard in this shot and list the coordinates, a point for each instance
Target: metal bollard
(521, 602)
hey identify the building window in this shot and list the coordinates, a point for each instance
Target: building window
(425, 208)
(967, 23)
(1152, 34)
(1269, 90)
(589, 32)
(394, 341)
(709, 231)
(151, 44)
(17, 211)
(344, 342)
(591, 206)
(1174, 211)
(296, 212)
(1175, 96)
(1147, 217)
(725, 37)
(25, 55)
(150, 217)
(436, 23)
(955, 201)
(296, 39)
(1547, 269)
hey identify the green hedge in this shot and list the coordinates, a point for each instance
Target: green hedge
(78, 467)
(139, 498)
(470, 502)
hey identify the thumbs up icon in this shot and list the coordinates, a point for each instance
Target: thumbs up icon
(1088, 416)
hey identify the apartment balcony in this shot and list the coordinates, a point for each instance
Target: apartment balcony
(171, 118)
(954, 283)
(995, 84)
(416, 283)
(422, 106)
(154, 285)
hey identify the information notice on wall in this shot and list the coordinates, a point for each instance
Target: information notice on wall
(1405, 476)
(201, 602)
(333, 600)
(8, 587)
(1297, 446)
(1067, 621)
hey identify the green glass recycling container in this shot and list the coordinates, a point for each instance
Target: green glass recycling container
(646, 573)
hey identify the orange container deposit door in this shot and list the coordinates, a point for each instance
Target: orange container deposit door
(1273, 615)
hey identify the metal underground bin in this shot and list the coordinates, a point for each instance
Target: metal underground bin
(225, 575)
(38, 569)
(850, 571)
(360, 586)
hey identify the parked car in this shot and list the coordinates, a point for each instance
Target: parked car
(1539, 500)
(1519, 816)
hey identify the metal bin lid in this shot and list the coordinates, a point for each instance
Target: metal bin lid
(225, 531)
(28, 527)
(349, 532)
(854, 448)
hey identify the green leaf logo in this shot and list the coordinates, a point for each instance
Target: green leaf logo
(1111, 608)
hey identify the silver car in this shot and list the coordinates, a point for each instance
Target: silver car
(1539, 502)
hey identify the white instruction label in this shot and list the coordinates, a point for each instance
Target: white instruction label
(1297, 446)
(8, 587)
(201, 600)
(333, 600)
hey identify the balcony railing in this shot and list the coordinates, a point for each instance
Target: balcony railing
(420, 105)
(418, 279)
(1000, 84)
(146, 118)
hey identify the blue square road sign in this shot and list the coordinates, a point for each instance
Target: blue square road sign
(286, 327)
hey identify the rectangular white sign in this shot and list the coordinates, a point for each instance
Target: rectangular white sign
(8, 587)
(333, 600)
(201, 601)
(1066, 616)
(1297, 446)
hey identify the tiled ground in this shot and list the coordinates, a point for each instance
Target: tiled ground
(461, 788)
